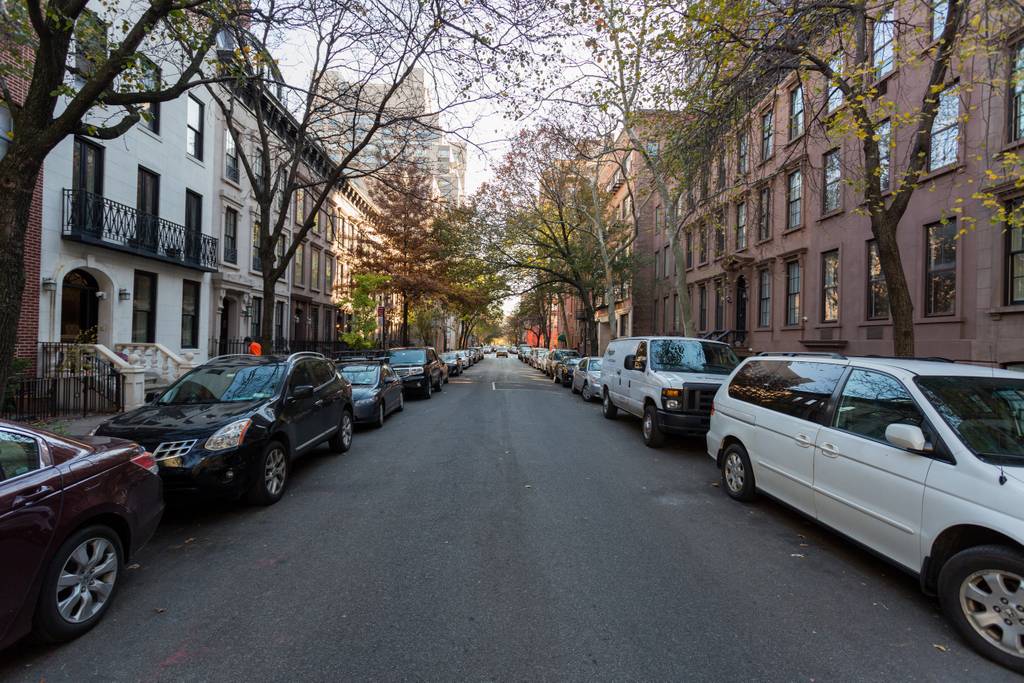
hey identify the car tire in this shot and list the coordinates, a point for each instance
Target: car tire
(737, 474)
(585, 393)
(964, 577)
(440, 385)
(379, 422)
(270, 476)
(401, 403)
(59, 615)
(342, 439)
(651, 429)
(608, 408)
(429, 391)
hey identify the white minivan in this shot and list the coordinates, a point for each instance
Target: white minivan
(919, 461)
(668, 382)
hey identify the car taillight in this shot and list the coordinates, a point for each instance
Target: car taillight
(146, 461)
(712, 410)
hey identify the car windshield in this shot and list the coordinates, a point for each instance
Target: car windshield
(986, 412)
(687, 355)
(449, 356)
(360, 374)
(594, 364)
(222, 384)
(408, 357)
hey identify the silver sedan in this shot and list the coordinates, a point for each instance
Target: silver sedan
(586, 380)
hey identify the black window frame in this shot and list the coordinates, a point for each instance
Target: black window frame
(764, 299)
(932, 273)
(1015, 94)
(194, 136)
(230, 235)
(191, 341)
(797, 122)
(767, 134)
(796, 200)
(740, 228)
(150, 336)
(702, 307)
(1012, 273)
(232, 169)
(830, 290)
(794, 289)
(764, 213)
(833, 182)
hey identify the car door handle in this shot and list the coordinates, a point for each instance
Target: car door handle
(803, 441)
(829, 450)
(28, 498)
(319, 403)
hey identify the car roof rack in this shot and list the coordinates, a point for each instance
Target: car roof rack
(931, 359)
(797, 354)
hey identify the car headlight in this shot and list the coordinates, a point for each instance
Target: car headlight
(365, 401)
(228, 436)
(416, 371)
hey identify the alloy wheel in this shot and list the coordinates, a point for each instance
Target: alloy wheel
(734, 473)
(86, 580)
(993, 602)
(648, 426)
(586, 392)
(275, 471)
(346, 430)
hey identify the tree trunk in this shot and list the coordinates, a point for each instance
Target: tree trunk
(901, 304)
(609, 295)
(682, 309)
(15, 206)
(405, 320)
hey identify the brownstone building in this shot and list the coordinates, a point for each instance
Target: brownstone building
(779, 257)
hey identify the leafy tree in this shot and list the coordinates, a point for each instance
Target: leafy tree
(361, 304)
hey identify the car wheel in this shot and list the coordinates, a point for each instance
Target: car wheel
(270, 476)
(608, 408)
(981, 590)
(653, 436)
(429, 391)
(379, 422)
(79, 584)
(401, 403)
(440, 384)
(342, 439)
(585, 392)
(737, 475)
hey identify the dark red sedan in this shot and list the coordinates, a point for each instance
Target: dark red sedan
(72, 511)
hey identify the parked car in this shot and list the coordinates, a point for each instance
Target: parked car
(564, 370)
(668, 382)
(586, 380)
(557, 356)
(921, 462)
(477, 352)
(501, 352)
(376, 390)
(454, 363)
(524, 352)
(235, 424)
(488, 349)
(466, 358)
(538, 357)
(420, 369)
(73, 512)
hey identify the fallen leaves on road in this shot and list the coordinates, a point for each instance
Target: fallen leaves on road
(797, 555)
(715, 484)
(133, 565)
(159, 610)
(189, 540)
(940, 648)
(528, 486)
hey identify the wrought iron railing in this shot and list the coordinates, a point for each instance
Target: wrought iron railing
(332, 349)
(93, 218)
(230, 254)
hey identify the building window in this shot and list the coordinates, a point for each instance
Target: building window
(721, 171)
(666, 317)
(689, 249)
(767, 130)
(278, 320)
(764, 214)
(87, 172)
(835, 93)
(193, 214)
(329, 274)
(719, 237)
(151, 82)
(703, 244)
(1015, 263)
(90, 34)
(657, 264)
(256, 322)
(764, 298)
(675, 311)
(883, 43)
(743, 152)
(147, 203)
(945, 133)
(831, 196)
(884, 133)
(300, 265)
(657, 219)
(741, 226)
(793, 293)
(878, 295)
(940, 10)
(940, 269)
(796, 112)
(1017, 93)
(830, 287)
(230, 235)
(702, 305)
(257, 265)
(230, 157)
(794, 195)
(194, 132)
(144, 308)
(314, 268)
(189, 314)
(719, 307)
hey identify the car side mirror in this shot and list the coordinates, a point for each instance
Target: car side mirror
(153, 395)
(390, 379)
(302, 391)
(629, 362)
(907, 436)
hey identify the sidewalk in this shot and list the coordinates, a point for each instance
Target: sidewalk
(72, 426)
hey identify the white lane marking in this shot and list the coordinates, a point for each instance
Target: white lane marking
(493, 388)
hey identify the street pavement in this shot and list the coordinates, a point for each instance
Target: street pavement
(504, 530)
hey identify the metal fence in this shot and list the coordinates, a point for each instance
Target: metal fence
(28, 399)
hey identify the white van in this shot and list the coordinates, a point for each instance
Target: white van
(668, 382)
(919, 461)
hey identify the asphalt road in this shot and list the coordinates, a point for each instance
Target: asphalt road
(504, 530)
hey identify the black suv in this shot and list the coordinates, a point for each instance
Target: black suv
(420, 369)
(234, 424)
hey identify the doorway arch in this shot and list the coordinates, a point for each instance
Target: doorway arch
(80, 307)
